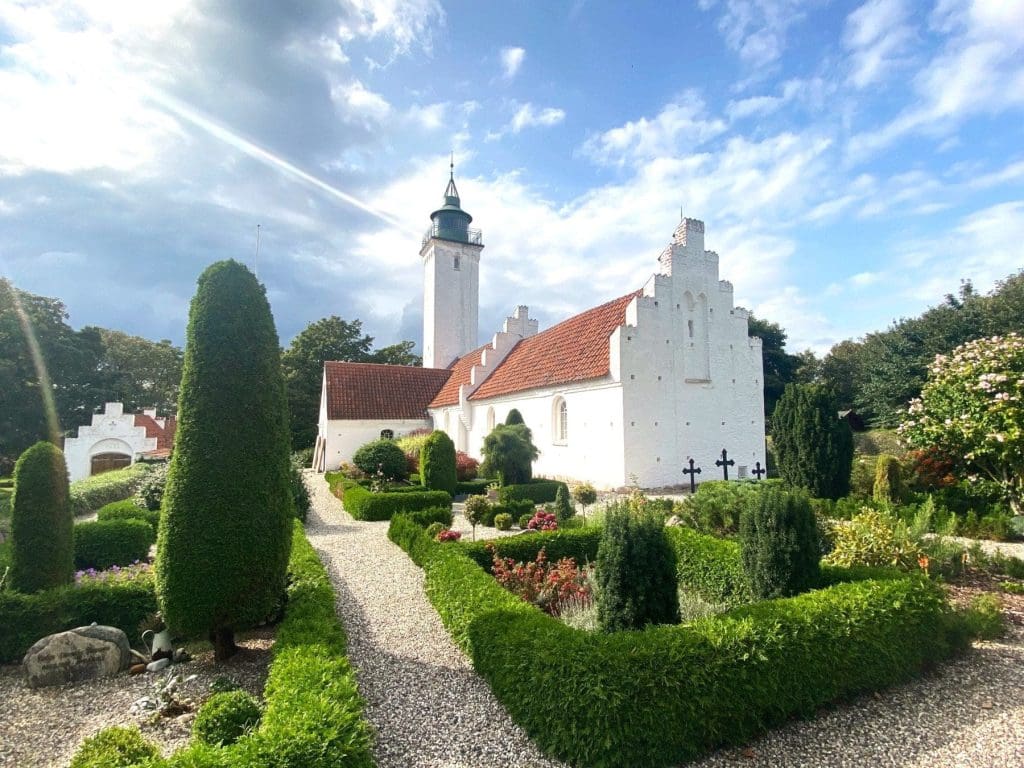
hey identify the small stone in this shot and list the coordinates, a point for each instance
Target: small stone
(987, 704)
(156, 666)
(748, 753)
(137, 669)
(78, 654)
(181, 656)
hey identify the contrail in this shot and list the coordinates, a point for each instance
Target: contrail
(215, 129)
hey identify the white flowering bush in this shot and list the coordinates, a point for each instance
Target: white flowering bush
(972, 407)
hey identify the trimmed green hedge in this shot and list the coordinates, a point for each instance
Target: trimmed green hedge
(476, 487)
(538, 491)
(104, 543)
(313, 713)
(91, 493)
(27, 618)
(709, 566)
(577, 543)
(667, 694)
(128, 510)
(366, 505)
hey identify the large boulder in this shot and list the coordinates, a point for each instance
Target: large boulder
(78, 654)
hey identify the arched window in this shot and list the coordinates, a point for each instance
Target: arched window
(387, 434)
(560, 422)
(455, 261)
(490, 418)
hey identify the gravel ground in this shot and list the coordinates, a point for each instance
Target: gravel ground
(430, 708)
(42, 727)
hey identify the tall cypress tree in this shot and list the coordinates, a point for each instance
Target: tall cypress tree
(813, 446)
(225, 535)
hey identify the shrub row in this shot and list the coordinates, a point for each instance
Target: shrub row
(27, 618)
(91, 493)
(666, 694)
(472, 487)
(128, 510)
(538, 491)
(313, 713)
(366, 505)
(577, 543)
(104, 543)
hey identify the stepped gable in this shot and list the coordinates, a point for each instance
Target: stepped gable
(574, 350)
(378, 391)
(460, 369)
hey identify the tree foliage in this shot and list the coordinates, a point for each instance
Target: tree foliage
(41, 521)
(779, 541)
(437, 463)
(972, 407)
(141, 373)
(383, 456)
(780, 368)
(509, 454)
(225, 535)
(635, 571)
(329, 338)
(813, 446)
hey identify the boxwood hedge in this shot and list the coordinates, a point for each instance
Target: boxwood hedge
(538, 491)
(91, 493)
(364, 504)
(103, 543)
(666, 694)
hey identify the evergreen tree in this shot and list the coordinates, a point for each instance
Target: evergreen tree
(509, 454)
(636, 572)
(888, 487)
(813, 446)
(563, 508)
(514, 417)
(437, 463)
(41, 521)
(225, 535)
(779, 540)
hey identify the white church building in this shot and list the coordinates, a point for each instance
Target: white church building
(632, 389)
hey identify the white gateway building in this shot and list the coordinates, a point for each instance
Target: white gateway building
(632, 389)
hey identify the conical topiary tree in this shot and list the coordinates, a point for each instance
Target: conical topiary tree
(225, 535)
(779, 543)
(813, 446)
(514, 417)
(41, 523)
(888, 486)
(437, 463)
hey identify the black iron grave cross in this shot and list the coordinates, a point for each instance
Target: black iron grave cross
(692, 472)
(758, 470)
(725, 462)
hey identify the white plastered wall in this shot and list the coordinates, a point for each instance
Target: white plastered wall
(112, 431)
(342, 438)
(450, 300)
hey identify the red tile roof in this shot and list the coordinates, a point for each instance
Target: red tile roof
(164, 435)
(376, 391)
(574, 350)
(449, 394)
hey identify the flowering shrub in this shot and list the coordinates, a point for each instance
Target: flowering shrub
(465, 466)
(114, 575)
(545, 585)
(449, 535)
(543, 521)
(874, 538)
(973, 407)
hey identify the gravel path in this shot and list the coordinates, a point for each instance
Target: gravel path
(430, 708)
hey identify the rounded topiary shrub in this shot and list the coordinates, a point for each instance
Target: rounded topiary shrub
(503, 521)
(635, 572)
(384, 456)
(225, 533)
(128, 510)
(524, 520)
(779, 542)
(435, 528)
(225, 717)
(437, 463)
(104, 543)
(115, 747)
(43, 552)
(151, 493)
(888, 486)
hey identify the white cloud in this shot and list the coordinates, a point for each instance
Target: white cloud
(876, 35)
(406, 23)
(428, 116)
(358, 101)
(511, 61)
(1011, 173)
(528, 116)
(756, 29)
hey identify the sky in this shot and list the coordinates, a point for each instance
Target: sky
(852, 162)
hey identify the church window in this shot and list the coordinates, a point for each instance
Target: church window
(456, 263)
(387, 434)
(561, 421)
(689, 327)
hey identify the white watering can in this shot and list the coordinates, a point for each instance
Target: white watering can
(160, 643)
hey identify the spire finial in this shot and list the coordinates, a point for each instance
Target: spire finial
(451, 165)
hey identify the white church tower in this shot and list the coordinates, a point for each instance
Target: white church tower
(451, 282)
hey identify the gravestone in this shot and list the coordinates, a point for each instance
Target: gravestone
(78, 654)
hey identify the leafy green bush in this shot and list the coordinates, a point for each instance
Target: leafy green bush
(363, 504)
(710, 566)
(128, 510)
(91, 493)
(862, 476)
(985, 617)
(718, 505)
(635, 572)
(779, 544)
(509, 454)
(114, 747)
(813, 446)
(225, 533)
(888, 486)
(225, 717)
(503, 521)
(524, 519)
(300, 493)
(150, 493)
(873, 538)
(666, 694)
(104, 543)
(472, 487)
(538, 491)
(382, 456)
(42, 554)
(563, 508)
(437, 463)
(434, 528)
(431, 515)
(26, 618)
